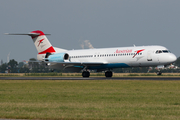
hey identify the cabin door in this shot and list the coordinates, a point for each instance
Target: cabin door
(149, 56)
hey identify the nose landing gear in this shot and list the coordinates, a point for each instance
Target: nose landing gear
(158, 72)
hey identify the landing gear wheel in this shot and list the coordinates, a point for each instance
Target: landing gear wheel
(158, 72)
(108, 73)
(85, 73)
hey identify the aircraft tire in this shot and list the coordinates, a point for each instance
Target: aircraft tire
(85, 73)
(108, 74)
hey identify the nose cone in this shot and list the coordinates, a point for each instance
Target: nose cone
(172, 58)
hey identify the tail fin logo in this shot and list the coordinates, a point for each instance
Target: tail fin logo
(40, 41)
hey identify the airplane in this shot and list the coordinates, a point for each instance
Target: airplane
(102, 59)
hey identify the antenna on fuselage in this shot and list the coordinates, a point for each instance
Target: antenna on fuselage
(134, 45)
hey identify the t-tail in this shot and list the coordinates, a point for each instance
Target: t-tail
(41, 43)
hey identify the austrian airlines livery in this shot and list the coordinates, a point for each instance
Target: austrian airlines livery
(104, 59)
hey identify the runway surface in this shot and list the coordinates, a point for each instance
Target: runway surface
(90, 78)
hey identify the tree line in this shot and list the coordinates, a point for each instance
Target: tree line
(32, 66)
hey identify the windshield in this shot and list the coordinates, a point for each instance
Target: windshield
(162, 51)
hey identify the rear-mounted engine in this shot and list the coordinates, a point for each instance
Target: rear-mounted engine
(57, 57)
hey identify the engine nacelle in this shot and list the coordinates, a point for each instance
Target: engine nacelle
(57, 57)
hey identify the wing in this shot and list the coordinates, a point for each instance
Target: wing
(73, 66)
(78, 63)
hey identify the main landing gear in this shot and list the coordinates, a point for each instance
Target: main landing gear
(87, 73)
(108, 73)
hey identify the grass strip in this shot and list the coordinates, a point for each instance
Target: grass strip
(77, 99)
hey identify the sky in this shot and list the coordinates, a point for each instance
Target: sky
(104, 23)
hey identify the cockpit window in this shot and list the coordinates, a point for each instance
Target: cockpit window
(162, 51)
(158, 51)
(165, 51)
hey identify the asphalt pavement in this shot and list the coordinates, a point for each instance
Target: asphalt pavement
(90, 78)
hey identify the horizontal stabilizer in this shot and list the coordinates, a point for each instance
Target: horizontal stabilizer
(30, 34)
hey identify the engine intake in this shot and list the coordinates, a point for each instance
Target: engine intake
(66, 56)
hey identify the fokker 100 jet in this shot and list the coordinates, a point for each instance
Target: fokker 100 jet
(103, 59)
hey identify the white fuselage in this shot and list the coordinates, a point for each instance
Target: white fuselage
(99, 59)
(119, 57)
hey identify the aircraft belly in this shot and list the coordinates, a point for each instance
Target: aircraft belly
(110, 65)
